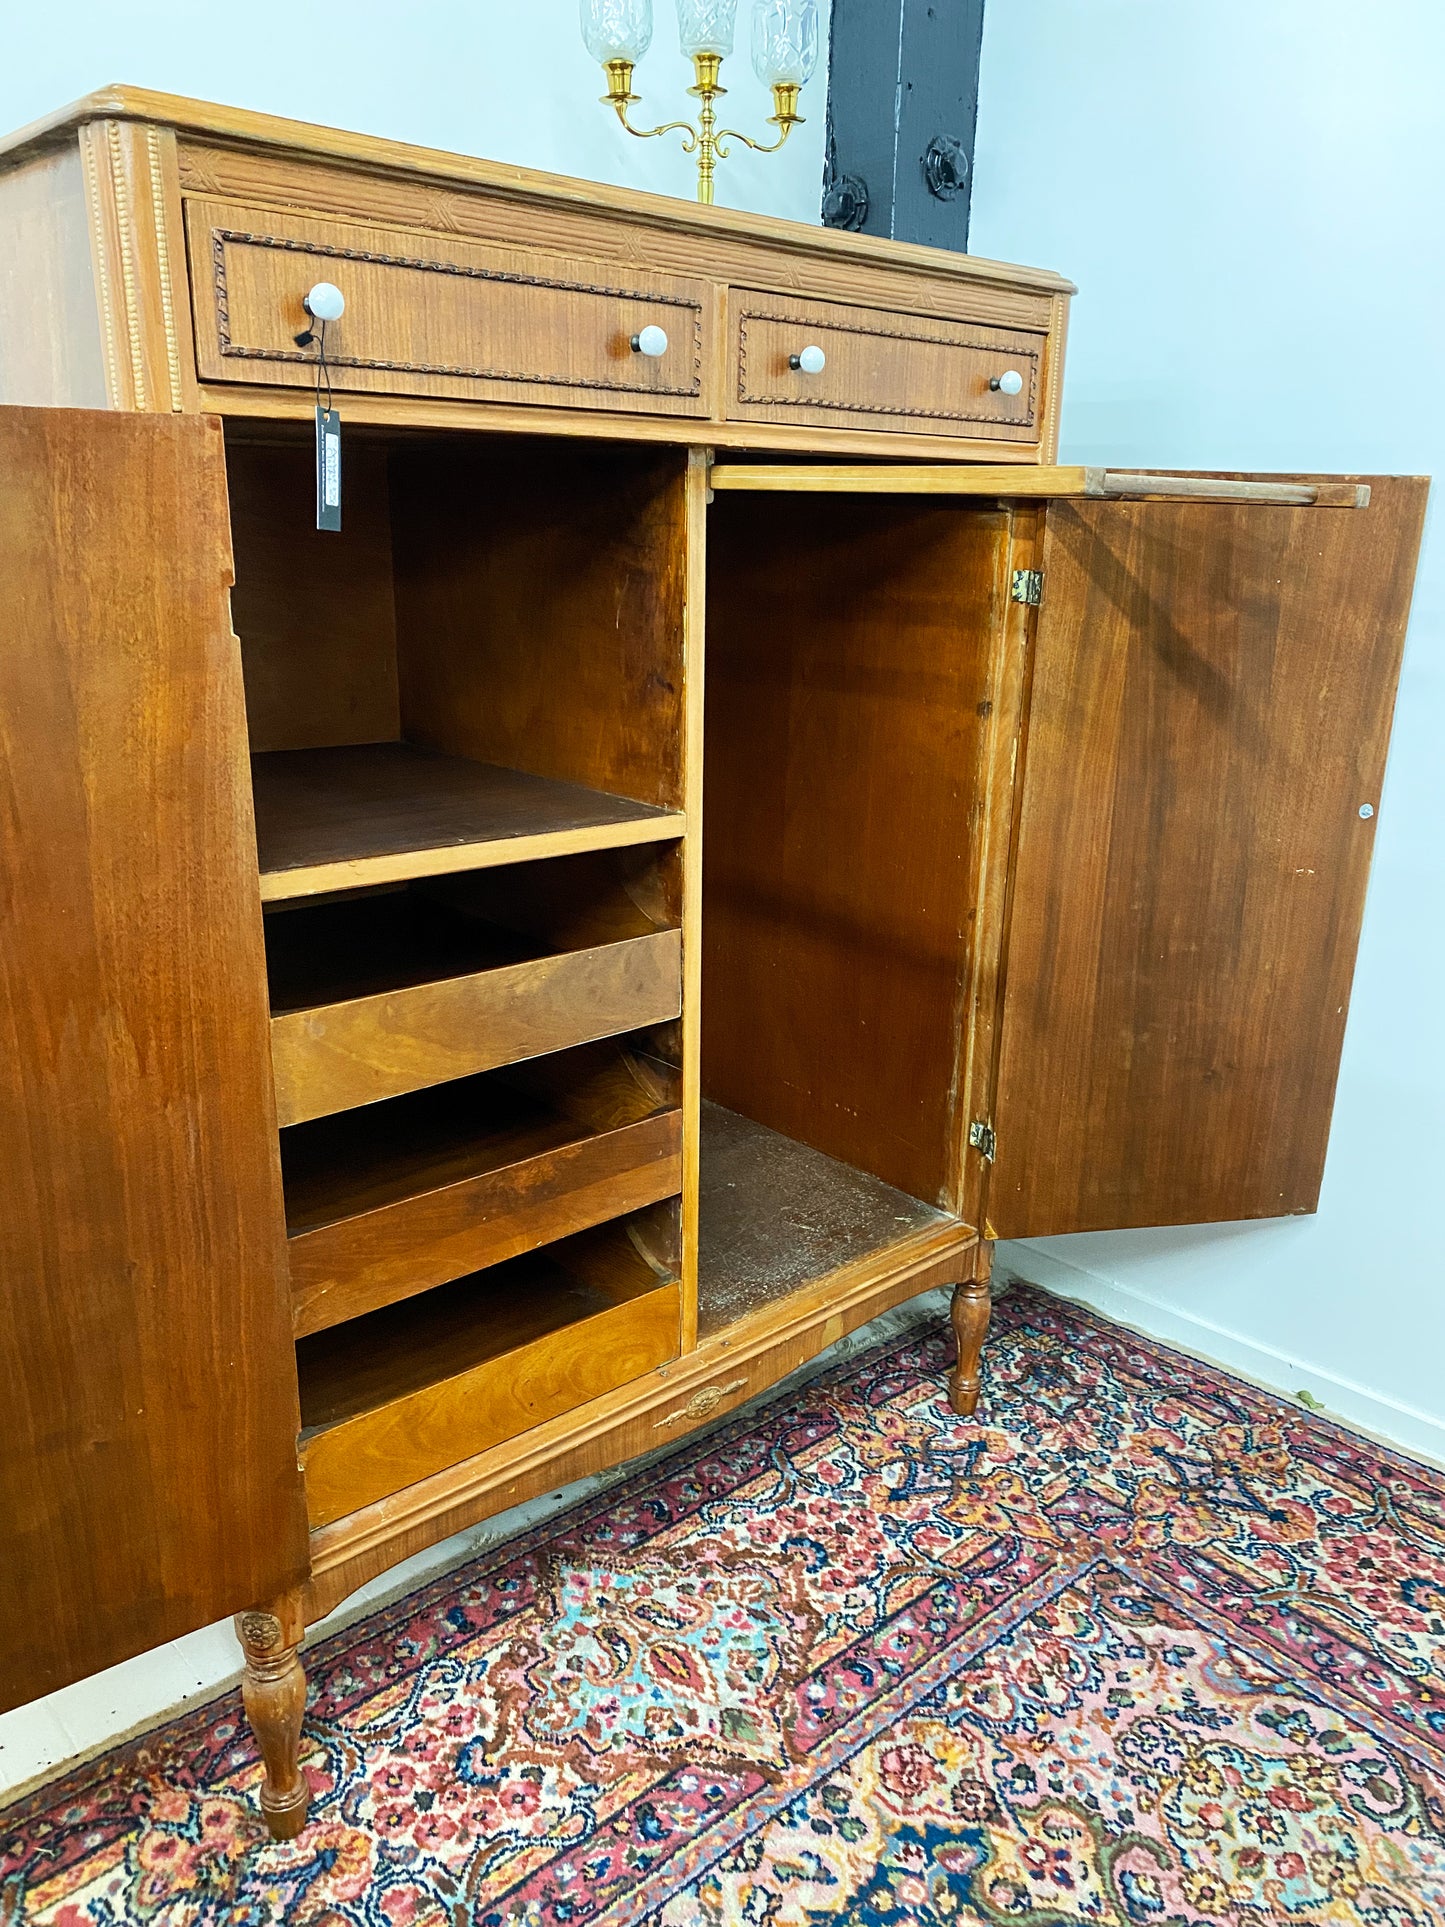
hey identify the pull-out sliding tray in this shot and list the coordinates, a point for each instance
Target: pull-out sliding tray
(396, 1396)
(376, 995)
(1024, 480)
(387, 1201)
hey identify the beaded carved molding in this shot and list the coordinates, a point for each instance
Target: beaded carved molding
(222, 238)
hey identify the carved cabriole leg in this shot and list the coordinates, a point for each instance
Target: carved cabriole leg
(970, 1314)
(274, 1691)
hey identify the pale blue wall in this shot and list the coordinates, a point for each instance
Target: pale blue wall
(1251, 196)
(506, 79)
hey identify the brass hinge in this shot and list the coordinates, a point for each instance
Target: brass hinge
(1028, 586)
(981, 1137)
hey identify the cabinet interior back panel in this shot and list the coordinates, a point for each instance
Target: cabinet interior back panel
(847, 692)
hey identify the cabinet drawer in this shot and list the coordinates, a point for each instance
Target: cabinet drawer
(430, 314)
(399, 1395)
(883, 371)
(376, 1252)
(366, 1457)
(332, 1057)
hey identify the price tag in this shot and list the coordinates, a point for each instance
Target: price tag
(328, 468)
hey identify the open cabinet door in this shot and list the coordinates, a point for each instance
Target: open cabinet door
(148, 1479)
(1210, 707)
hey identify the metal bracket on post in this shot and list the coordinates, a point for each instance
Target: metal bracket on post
(1028, 586)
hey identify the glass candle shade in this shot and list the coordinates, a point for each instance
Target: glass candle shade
(785, 42)
(617, 29)
(707, 26)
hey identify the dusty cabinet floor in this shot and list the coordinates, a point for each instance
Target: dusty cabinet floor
(776, 1214)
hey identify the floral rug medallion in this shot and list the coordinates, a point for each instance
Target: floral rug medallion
(1146, 1646)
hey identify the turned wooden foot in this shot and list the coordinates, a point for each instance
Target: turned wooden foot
(274, 1692)
(970, 1312)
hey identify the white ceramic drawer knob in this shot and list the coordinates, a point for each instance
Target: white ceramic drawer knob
(1010, 382)
(812, 361)
(325, 302)
(651, 342)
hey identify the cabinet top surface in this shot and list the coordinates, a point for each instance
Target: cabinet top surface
(206, 121)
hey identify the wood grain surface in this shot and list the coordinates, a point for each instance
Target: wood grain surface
(233, 144)
(383, 1154)
(1021, 482)
(912, 372)
(400, 1395)
(138, 261)
(391, 1205)
(439, 315)
(51, 351)
(539, 599)
(291, 409)
(1211, 706)
(347, 818)
(314, 611)
(850, 657)
(684, 1046)
(147, 1481)
(329, 1057)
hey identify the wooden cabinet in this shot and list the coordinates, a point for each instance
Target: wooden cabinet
(710, 844)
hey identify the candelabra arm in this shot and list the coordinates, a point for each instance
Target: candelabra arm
(785, 118)
(703, 139)
(620, 96)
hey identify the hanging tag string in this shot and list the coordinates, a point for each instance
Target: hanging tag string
(323, 368)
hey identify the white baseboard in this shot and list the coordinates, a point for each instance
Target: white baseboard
(1383, 1419)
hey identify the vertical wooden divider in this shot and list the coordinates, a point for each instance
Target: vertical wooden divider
(694, 682)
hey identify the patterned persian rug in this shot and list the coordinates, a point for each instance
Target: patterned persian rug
(1147, 1646)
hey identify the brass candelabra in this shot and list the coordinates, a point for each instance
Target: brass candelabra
(785, 37)
(706, 139)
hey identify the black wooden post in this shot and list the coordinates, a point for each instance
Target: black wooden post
(902, 106)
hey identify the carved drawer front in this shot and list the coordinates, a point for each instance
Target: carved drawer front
(430, 314)
(832, 366)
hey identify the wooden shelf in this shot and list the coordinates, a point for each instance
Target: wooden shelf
(393, 1397)
(388, 1201)
(777, 1216)
(347, 818)
(376, 996)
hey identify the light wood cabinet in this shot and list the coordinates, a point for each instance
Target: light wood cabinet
(445, 957)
